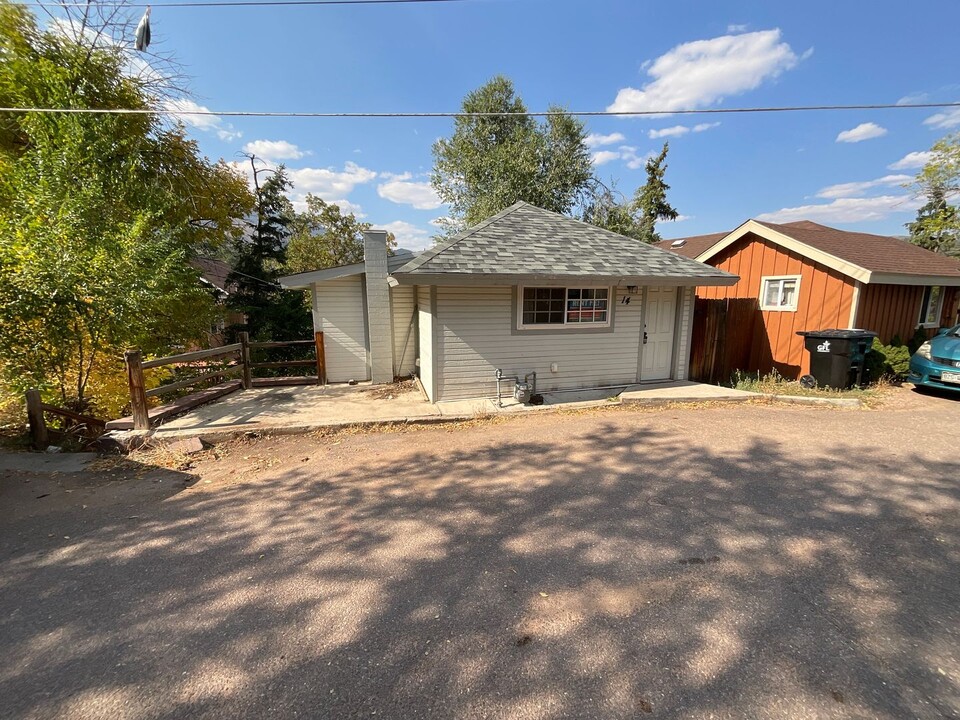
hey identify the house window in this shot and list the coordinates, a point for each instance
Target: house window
(779, 293)
(931, 307)
(564, 307)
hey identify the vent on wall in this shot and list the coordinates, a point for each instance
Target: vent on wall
(678, 243)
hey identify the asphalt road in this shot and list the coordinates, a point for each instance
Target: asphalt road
(732, 562)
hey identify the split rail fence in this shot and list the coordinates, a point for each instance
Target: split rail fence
(235, 373)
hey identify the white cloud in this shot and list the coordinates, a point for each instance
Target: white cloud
(700, 127)
(675, 131)
(734, 29)
(603, 157)
(408, 235)
(329, 182)
(632, 160)
(912, 160)
(186, 109)
(597, 140)
(855, 189)
(845, 210)
(403, 191)
(944, 120)
(917, 97)
(274, 150)
(703, 72)
(679, 218)
(863, 131)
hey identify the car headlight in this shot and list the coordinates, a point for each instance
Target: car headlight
(924, 350)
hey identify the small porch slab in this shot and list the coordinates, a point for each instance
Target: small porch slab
(289, 410)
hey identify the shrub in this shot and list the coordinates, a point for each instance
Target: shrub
(886, 360)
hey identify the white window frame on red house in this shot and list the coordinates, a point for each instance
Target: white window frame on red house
(568, 310)
(923, 320)
(781, 280)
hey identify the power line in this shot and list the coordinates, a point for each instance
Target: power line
(234, 3)
(544, 113)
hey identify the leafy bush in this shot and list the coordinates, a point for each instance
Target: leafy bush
(887, 360)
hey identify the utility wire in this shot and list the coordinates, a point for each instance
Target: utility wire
(546, 113)
(234, 3)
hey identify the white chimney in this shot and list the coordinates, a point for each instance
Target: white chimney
(379, 327)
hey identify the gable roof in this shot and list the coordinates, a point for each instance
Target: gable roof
(303, 280)
(862, 256)
(214, 272)
(527, 243)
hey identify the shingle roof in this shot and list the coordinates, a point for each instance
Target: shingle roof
(525, 241)
(693, 245)
(874, 253)
(214, 272)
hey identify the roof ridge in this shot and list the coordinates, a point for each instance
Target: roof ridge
(433, 252)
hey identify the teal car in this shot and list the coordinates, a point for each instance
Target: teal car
(936, 363)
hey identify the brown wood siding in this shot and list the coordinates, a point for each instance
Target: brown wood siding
(824, 301)
(894, 310)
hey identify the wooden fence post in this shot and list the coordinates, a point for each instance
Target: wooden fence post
(321, 360)
(138, 396)
(38, 424)
(245, 359)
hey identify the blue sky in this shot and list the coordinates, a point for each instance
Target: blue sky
(586, 56)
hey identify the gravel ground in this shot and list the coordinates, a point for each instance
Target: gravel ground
(750, 561)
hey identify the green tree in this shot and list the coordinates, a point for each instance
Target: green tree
(610, 210)
(937, 226)
(271, 313)
(491, 162)
(98, 214)
(323, 236)
(650, 200)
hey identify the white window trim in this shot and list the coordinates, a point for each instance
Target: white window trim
(924, 307)
(779, 308)
(565, 325)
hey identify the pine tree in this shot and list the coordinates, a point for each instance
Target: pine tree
(651, 199)
(271, 312)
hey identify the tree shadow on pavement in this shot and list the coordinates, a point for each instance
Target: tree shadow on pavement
(606, 570)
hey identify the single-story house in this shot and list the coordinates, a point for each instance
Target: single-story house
(525, 291)
(806, 276)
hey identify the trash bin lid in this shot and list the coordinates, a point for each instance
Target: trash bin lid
(837, 333)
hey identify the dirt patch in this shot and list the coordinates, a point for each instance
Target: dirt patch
(392, 390)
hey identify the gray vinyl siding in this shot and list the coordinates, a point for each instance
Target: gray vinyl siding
(684, 332)
(404, 330)
(474, 337)
(338, 312)
(426, 344)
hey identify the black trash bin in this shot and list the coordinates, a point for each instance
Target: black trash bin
(837, 356)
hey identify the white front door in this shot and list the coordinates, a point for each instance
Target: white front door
(660, 317)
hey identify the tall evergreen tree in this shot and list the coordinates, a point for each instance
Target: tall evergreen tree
(271, 312)
(650, 200)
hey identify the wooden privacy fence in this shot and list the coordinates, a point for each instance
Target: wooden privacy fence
(76, 424)
(727, 336)
(236, 372)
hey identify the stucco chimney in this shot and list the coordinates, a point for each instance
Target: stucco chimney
(378, 306)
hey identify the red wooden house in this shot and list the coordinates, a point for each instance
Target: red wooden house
(805, 276)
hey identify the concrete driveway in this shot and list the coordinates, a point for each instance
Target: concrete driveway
(752, 561)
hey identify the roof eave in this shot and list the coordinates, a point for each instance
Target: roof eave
(720, 279)
(303, 281)
(907, 279)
